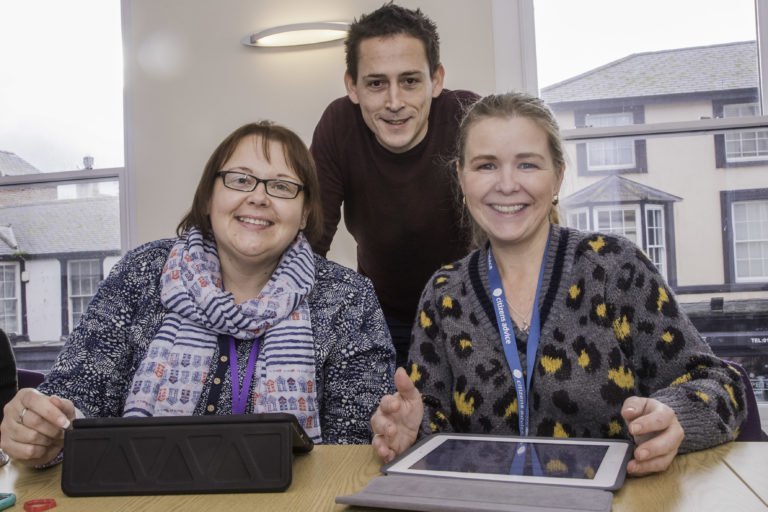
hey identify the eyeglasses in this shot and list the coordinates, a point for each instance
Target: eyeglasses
(248, 182)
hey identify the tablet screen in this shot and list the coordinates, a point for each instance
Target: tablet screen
(524, 459)
(576, 462)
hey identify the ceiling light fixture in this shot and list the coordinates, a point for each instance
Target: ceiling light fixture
(298, 34)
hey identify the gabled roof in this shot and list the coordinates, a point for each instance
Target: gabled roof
(681, 71)
(13, 165)
(66, 226)
(615, 189)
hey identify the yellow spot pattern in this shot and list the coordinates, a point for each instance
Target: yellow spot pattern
(667, 337)
(448, 266)
(614, 428)
(600, 310)
(559, 431)
(551, 364)
(465, 343)
(441, 280)
(729, 390)
(464, 406)
(511, 409)
(440, 415)
(583, 359)
(574, 291)
(447, 302)
(681, 379)
(597, 243)
(589, 472)
(415, 374)
(621, 328)
(424, 320)
(663, 298)
(556, 466)
(704, 397)
(622, 377)
(433, 427)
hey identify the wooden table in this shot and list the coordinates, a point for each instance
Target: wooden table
(728, 477)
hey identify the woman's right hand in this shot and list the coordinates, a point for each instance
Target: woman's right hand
(396, 422)
(33, 426)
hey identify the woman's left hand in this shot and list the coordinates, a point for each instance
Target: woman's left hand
(656, 431)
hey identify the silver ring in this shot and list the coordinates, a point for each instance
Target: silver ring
(21, 416)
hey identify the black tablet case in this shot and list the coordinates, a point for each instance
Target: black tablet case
(181, 455)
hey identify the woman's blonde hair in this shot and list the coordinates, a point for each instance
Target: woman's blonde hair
(509, 105)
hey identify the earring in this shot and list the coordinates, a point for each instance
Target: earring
(556, 199)
(464, 200)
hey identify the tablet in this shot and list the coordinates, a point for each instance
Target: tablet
(592, 463)
(181, 454)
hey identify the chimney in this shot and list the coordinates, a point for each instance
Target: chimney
(87, 162)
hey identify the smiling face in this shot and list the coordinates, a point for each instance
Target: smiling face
(253, 228)
(509, 179)
(394, 90)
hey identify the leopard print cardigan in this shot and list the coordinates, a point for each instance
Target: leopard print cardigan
(611, 328)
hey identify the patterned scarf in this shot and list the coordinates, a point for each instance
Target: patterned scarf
(170, 379)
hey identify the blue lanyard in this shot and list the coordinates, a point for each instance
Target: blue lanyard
(504, 321)
(519, 462)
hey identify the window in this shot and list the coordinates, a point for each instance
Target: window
(9, 298)
(607, 155)
(740, 147)
(578, 219)
(83, 280)
(750, 240)
(610, 154)
(655, 247)
(61, 161)
(745, 244)
(619, 221)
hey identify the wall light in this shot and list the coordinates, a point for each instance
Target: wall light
(298, 34)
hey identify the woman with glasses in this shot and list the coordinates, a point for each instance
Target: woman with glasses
(548, 331)
(236, 315)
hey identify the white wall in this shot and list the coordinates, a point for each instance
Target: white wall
(189, 82)
(44, 300)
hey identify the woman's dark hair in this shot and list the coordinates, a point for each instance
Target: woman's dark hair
(391, 20)
(297, 156)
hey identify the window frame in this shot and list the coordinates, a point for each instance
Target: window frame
(721, 158)
(623, 207)
(69, 276)
(727, 199)
(646, 227)
(640, 165)
(17, 286)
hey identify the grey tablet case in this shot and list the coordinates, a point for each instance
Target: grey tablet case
(429, 493)
(175, 455)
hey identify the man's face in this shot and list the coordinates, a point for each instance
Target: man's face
(394, 89)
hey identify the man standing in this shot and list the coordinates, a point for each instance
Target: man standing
(384, 151)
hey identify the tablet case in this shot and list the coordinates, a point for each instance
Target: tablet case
(430, 493)
(176, 455)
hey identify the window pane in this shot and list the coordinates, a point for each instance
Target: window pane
(9, 319)
(59, 229)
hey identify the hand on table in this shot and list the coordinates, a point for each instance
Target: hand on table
(33, 426)
(396, 422)
(656, 431)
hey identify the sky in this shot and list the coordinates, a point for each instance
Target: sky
(61, 75)
(61, 62)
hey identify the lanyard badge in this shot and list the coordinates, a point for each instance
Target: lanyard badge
(508, 341)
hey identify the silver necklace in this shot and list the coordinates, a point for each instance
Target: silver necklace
(524, 318)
